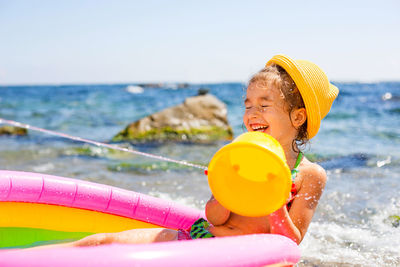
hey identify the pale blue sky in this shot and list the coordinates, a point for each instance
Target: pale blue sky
(55, 42)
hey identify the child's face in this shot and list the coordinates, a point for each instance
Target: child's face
(265, 112)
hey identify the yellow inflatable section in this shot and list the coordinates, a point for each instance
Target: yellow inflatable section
(66, 219)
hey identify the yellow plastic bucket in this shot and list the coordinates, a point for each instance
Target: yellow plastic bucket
(250, 176)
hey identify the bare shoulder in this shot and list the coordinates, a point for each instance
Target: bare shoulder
(312, 174)
(310, 183)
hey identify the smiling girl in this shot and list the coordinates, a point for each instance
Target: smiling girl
(287, 100)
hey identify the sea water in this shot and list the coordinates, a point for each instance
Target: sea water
(358, 144)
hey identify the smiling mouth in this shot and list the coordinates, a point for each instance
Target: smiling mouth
(259, 128)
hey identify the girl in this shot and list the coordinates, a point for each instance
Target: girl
(287, 100)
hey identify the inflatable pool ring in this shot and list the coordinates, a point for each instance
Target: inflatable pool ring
(38, 208)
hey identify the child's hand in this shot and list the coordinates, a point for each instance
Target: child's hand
(216, 214)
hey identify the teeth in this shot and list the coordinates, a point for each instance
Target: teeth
(255, 128)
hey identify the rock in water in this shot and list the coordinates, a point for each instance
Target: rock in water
(200, 119)
(12, 130)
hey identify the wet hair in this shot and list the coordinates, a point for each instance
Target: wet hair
(276, 76)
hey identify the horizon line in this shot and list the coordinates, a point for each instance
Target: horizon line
(161, 83)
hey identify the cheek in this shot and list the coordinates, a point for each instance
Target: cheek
(246, 121)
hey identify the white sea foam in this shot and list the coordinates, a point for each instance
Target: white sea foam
(187, 201)
(374, 243)
(387, 96)
(134, 89)
(44, 167)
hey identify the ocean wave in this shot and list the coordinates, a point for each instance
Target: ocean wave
(341, 162)
(349, 245)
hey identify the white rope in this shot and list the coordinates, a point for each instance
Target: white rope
(75, 138)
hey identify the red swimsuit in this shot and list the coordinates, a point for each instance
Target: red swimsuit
(295, 170)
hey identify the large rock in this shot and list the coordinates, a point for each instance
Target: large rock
(201, 118)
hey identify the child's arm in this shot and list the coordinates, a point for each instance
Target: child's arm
(294, 224)
(216, 214)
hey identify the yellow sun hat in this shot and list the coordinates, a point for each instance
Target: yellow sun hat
(250, 176)
(317, 93)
